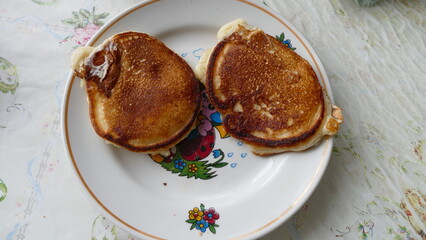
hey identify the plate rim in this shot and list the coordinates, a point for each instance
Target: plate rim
(268, 226)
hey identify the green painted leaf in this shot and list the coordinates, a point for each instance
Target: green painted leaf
(282, 37)
(202, 207)
(191, 221)
(185, 169)
(278, 37)
(190, 174)
(170, 166)
(193, 226)
(176, 170)
(219, 165)
(216, 225)
(212, 174)
(203, 171)
(84, 13)
(212, 229)
(203, 167)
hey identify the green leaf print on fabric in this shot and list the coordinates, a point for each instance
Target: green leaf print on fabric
(86, 23)
(366, 229)
(44, 2)
(9, 80)
(414, 207)
(3, 190)
(103, 229)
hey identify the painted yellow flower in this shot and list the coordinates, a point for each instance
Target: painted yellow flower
(195, 214)
(193, 168)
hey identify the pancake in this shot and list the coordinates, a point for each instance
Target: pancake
(268, 96)
(142, 96)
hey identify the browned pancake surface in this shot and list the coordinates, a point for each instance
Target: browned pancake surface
(267, 94)
(149, 97)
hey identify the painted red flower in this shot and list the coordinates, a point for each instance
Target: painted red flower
(211, 215)
(83, 35)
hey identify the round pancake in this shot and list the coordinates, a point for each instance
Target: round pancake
(142, 96)
(267, 94)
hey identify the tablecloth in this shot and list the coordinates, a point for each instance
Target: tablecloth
(375, 57)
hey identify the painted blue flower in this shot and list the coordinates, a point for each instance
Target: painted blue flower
(285, 41)
(288, 43)
(180, 164)
(216, 153)
(202, 225)
(216, 117)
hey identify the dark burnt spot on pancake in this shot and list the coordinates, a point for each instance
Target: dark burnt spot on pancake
(104, 60)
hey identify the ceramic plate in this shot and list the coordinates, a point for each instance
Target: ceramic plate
(212, 187)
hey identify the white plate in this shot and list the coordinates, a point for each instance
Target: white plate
(252, 195)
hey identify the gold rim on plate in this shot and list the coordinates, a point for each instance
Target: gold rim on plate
(70, 152)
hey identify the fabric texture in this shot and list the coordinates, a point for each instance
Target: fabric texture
(375, 57)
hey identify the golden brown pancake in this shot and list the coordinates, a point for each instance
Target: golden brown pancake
(268, 96)
(142, 96)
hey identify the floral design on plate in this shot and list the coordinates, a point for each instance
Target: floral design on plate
(286, 42)
(189, 157)
(86, 23)
(203, 219)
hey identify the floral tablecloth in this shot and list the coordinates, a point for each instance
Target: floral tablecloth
(375, 57)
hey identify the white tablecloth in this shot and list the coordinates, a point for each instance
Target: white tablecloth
(375, 57)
